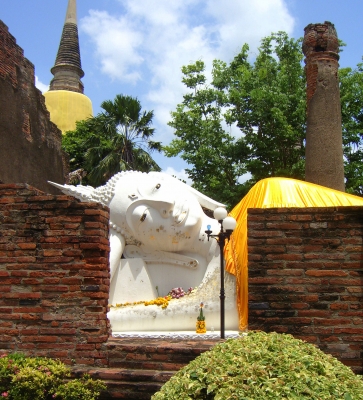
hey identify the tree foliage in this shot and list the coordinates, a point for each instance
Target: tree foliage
(202, 141)
(267, 103)
(118, 139)
(251, 118)
(351, 92)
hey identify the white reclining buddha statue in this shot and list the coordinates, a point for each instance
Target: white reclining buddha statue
(158, 242)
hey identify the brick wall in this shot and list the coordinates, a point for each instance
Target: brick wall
(306, 277)
(54, 276)
(30, 144)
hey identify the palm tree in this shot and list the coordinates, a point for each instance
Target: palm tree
(122, 140)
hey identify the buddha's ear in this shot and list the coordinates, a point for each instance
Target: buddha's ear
(204, 200)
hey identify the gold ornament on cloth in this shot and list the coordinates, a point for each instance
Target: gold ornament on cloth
(200, 324)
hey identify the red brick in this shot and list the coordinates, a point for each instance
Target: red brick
(58, 331)
(300, 306)
(71, 281)
(49, 281)
(323, 330)
(19, 273)
(52, 253)
(355, 289)
(333, 321)
(59, 317)
(73, 253)
(28, 309)
(339, 306)
(285, 257)
(326, 273)
(351, 265)
(285, 272)
(26, 346)
(19, 295)
(58, 354)
(299, 281)
(31, 281)
(71, 226)
(358, 314)
(314, 313)
(30, 317)
(27, 246)
(265, 233)
(29, 332)
(347, 282)
(40, 338)
(46, 274)
(85, 347)
(283, 241)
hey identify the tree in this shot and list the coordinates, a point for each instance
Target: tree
(266, 102)
(351, 93)
(115, 140)
(201, 139)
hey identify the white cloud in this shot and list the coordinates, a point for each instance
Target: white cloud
(40, 85)
(157, 12)
(241, 22)
(148, 44)
(116, 42)
(179, 174)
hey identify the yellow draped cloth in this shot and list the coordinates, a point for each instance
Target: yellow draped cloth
(272, 193)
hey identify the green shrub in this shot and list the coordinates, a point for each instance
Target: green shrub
(76, 389)
(263, 366)
(23, 378)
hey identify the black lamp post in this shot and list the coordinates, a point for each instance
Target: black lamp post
(228, 224)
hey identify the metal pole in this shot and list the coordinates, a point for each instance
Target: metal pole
(222, 296)
(222, 236)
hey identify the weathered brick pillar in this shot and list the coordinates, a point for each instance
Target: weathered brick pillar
(324, 150)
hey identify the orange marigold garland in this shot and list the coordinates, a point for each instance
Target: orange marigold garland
(159, 301)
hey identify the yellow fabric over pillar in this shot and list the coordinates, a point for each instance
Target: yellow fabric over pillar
(67, 107)
(272, 193)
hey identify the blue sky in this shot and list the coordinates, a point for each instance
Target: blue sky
(137, 47)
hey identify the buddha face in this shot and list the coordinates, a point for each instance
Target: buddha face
(160, 213)
(166, 217)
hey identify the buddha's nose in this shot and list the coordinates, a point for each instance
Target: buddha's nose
(164, 207)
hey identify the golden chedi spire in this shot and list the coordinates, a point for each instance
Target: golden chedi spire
(65, 99)
(67, 69)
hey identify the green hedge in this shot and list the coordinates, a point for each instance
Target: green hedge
(23, 378)
(262, 366)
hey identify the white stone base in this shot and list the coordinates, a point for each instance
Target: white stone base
(182, 335)
(181, 314)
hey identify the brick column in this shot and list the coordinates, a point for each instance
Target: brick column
(324, 151)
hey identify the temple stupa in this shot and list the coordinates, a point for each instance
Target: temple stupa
(65, 99)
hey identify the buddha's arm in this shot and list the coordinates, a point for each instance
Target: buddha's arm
(117, 244)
